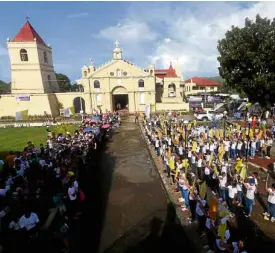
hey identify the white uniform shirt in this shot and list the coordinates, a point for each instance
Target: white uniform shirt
(30, 222)
(72, 193)
(250, 192)
(232, 191)
(206, 171)
(271, 197)
(223, 181)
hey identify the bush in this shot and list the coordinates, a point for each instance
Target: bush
(10, 118)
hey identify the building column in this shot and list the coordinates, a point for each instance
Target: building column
(131, 102)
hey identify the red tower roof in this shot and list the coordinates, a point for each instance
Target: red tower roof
(161, 73)
(28, 34)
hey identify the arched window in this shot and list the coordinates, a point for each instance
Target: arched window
(96, 84)
(84, 73)
(24, 55)
(45, 57)
(171, 90)
(49, 81)
(140, 83)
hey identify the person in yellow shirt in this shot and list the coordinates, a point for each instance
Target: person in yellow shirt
(172, 171)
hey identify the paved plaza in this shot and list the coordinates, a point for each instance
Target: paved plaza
(131, 212)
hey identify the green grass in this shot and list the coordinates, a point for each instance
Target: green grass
(15, 139)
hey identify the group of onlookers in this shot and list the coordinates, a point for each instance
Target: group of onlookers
(39, 186)
(197, 157)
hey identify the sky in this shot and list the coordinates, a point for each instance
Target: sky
(149, 32)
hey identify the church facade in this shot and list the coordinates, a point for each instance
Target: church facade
(117, 84)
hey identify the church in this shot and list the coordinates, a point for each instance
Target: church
(117, 84)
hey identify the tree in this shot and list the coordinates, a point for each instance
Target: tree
(64, 82)
(247, 60)
(4, 87)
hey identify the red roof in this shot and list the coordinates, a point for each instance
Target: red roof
(202, 81)
(161, 73)
(28, 34)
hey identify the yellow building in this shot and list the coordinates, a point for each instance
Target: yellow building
(117, 84)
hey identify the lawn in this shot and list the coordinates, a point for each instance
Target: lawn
(16, 139)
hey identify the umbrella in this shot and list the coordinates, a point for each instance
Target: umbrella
(105, 126)
(88, 129)
(93, 121)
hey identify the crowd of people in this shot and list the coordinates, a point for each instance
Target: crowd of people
(198, 157)
(40, 184)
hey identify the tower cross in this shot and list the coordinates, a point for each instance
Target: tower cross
(116, 43)
(27, 17)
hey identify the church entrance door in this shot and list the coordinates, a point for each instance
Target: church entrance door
(120, 102)
(120, 99)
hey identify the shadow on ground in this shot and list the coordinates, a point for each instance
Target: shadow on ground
(248, 230)
(160, 237)
(96, 182)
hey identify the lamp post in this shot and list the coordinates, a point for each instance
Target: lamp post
(185, 122)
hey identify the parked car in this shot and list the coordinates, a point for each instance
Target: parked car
(208, 115)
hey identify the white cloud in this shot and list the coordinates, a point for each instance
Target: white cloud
(183, 31)
(128, 31)
(134, 36)
(79, 15)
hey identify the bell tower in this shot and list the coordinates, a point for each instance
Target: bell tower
(117, 52)
(31, 62)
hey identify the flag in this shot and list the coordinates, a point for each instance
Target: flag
(239, 165)
(221, 133)
(251, 133)
(260, 135)
(221, 230)
(169, 153)
(243, 173)
(72, 110)
(194, 146)
(203, 190)
(211, 133)
(159, 133)
(25, 114)
(213, 207)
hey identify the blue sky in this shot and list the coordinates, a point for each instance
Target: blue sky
(149, 32)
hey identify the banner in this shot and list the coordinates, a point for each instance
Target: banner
(67, 113)
(147, 111)
(213, 99)
(18, 116)
(22, 115)
(195, 99)
(24, 97)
